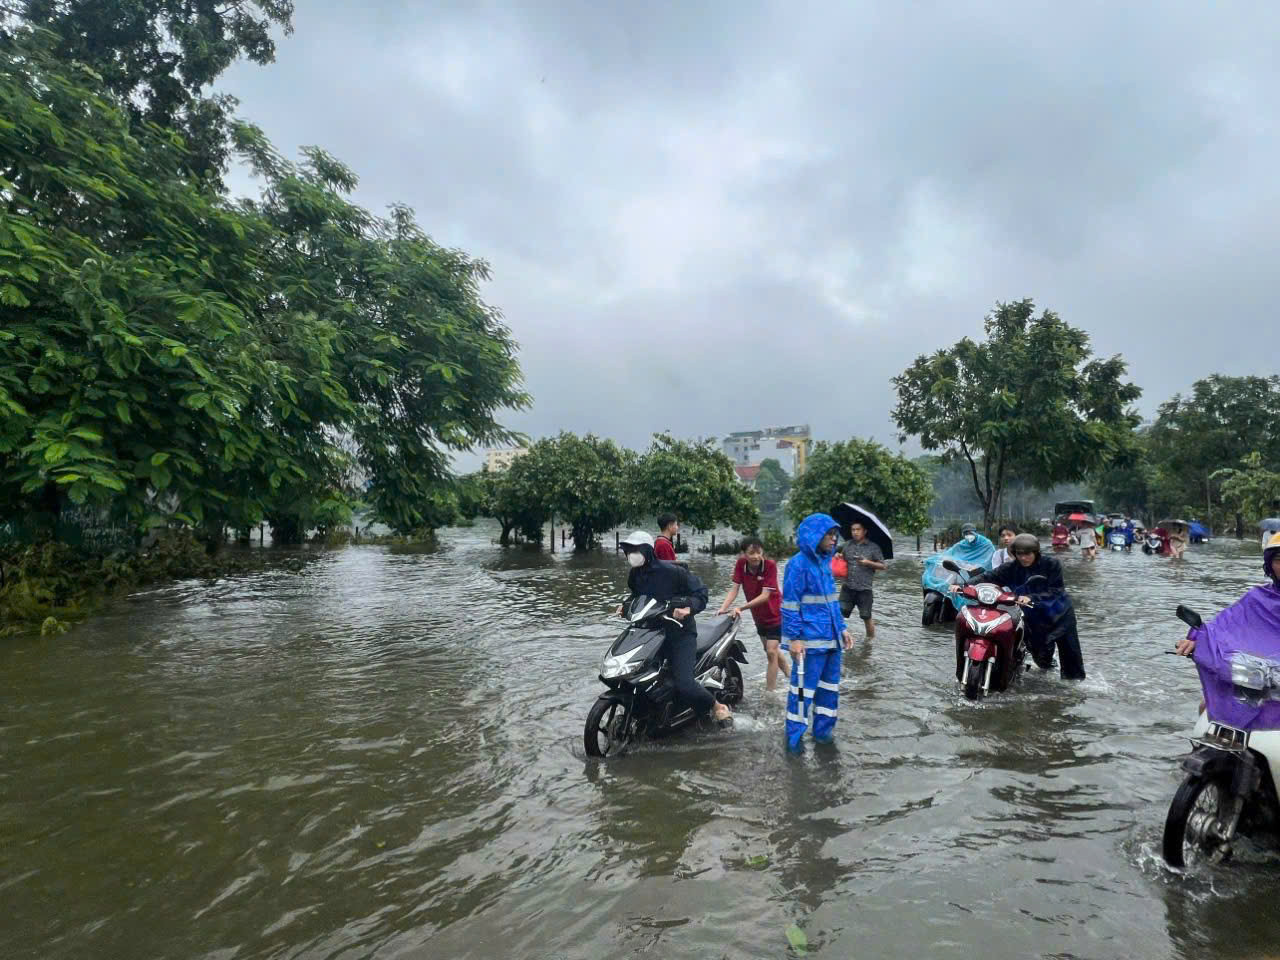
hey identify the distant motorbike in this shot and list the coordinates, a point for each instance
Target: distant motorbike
(1117, 541)
(938, 605)
(1230, 785)
(990, 640)
(1153, 545)
(640, 701)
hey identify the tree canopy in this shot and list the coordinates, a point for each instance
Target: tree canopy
(696, 482)
(156, 57)
(169, 353)
(1029, 397)
(772, 486)
(866, 473)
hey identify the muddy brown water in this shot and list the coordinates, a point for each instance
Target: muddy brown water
(380, 756)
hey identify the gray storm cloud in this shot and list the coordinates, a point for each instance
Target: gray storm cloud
(704, 217)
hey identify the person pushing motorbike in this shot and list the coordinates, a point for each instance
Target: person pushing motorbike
(1050, 616)
(667, 582)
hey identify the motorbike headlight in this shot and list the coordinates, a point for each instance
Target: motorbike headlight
(614, 667)
(1249, 676)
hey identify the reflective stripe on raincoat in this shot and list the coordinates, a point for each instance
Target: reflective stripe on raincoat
(810, 598)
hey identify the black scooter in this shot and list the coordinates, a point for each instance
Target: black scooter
(640, 701)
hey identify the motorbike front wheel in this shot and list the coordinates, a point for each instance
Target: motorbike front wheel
(608, 729)
(973, 682)
(1194, 821)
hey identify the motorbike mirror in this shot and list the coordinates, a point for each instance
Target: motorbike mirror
(1037, 576)
(951, 565)
(1188, 616)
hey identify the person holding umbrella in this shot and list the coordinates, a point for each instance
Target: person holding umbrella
(869, 544)
(863, 558)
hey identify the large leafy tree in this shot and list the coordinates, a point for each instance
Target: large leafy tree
(864, 472)
(512, 497)
(580, 480)
(695, 481)
(158, 56)
(1219, 423)
(772, 486)
(1030, 398)
(1251, 489)
(170, 354)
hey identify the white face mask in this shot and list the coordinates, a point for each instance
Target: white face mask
(970, 537)
(635, 558)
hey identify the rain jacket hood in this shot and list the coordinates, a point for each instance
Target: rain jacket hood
(811, 531)
(936, 577)
(810, 600)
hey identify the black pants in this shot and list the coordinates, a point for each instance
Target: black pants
(1062, 633)
(682, 651)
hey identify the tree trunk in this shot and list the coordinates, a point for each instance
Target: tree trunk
(1239, 527)
(505, 539)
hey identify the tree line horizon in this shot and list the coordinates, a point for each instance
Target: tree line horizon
(172, 355)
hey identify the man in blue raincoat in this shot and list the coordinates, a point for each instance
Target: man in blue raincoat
(813, 631)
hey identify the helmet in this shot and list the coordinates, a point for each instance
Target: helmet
(1270, 549)
(636, 539)
(967, 529)
(1025, 542)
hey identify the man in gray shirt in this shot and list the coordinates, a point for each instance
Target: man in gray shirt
(864, 558)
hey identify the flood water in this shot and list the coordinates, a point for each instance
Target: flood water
(380, 756)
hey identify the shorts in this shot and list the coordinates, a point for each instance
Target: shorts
(859, 598)
(767, 634)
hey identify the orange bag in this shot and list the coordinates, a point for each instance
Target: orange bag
(839, 566)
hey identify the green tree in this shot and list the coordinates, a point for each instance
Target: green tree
(1029, 398)
(580, 480)
(1251, 490)
(157, 57)
(772, 486)
(168, 354)
(512, 497)
(866, 473)
(695, 481)
(1222, 421)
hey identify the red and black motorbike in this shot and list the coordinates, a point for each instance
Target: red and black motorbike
(990, 648)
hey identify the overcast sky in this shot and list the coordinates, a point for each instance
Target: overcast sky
(705, 217)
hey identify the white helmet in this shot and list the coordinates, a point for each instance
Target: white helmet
(637, 539)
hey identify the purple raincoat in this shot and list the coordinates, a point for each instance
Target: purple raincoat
(1246, 632)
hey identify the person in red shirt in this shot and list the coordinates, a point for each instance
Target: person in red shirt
(757, 575)
(664, 545)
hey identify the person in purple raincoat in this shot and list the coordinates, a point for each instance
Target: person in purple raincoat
(1249, 628)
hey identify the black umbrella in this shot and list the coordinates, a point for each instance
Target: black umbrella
(848, 513)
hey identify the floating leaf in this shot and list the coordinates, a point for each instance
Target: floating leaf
(758, 862)
(799, 942)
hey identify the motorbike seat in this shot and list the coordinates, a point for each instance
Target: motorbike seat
(711, 634)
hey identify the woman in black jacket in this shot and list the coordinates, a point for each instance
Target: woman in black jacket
(662, 581)
(1051, 618)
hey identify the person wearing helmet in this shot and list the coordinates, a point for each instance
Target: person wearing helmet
(663, 581)
(1250, 625)
(1050, 618)
(812, 631)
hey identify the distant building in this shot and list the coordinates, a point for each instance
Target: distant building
(495, 461)
(748, 475)
(788, 445)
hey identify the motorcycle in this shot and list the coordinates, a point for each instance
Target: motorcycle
(990, 640)
(640, 701)
(1117, 541)
(1153, 545)
(938, 607)
(1229, 789)
(1061, 539)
